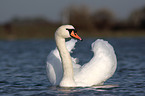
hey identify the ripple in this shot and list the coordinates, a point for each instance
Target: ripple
(23, 72)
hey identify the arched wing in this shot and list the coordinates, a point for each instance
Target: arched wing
(100, 67)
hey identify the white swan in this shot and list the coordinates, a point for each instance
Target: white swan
(62, 69)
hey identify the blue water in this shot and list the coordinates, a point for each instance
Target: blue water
(23, 73)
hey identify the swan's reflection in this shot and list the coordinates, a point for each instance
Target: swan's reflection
(70, 90)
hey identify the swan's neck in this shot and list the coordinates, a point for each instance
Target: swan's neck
(68, 76)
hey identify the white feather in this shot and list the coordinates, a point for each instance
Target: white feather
(70, 74)
(95, 72)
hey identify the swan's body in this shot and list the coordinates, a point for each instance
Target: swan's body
(62, 68)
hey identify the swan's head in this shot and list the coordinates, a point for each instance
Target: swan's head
(67, 31)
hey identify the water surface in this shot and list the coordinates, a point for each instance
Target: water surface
(23, 73)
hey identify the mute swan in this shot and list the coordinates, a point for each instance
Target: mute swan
(62, 69)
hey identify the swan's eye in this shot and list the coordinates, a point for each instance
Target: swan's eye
(73, 34)
(70, 30)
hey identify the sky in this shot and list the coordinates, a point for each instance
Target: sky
(51, 9)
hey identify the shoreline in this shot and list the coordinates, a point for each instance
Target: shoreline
(45, 32)
(92, 35)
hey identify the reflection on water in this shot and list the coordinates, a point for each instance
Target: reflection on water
(78, 90)
(22, 68)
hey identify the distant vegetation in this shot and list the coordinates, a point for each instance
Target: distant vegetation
(101, 23)
(104, 19)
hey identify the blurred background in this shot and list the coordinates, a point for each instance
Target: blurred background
(21, 19)
(26, 38)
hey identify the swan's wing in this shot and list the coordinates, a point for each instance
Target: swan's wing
(70, 44)
(54, 66)
(100, 67)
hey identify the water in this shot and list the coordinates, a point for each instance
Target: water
(22, 68)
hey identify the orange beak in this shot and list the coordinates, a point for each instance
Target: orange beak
(75, 35)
